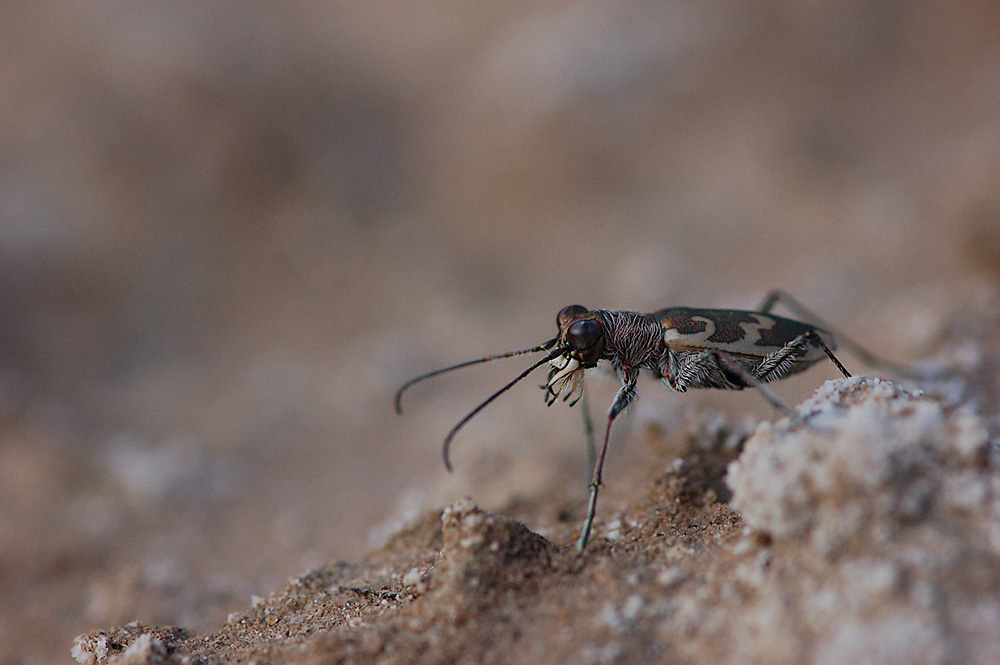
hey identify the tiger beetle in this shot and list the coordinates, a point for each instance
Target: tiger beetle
(684, 347)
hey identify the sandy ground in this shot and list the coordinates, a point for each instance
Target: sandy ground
(228, 233)
(868, 533)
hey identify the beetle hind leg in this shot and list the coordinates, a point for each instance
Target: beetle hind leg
(755, 382)
(866, 356)
(777, 364)
(815, 337)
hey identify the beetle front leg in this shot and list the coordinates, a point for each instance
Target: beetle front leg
(626, 395)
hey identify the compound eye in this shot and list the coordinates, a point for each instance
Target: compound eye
(583, 335)
(569, 313)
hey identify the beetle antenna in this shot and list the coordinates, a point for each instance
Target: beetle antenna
(461, 423)
(509, 354)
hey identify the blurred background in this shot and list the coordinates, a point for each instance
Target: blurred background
(229, 231)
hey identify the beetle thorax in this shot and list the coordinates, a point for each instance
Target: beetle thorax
(631, 339)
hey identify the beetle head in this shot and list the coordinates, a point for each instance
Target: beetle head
(581, 335)
(580, 344)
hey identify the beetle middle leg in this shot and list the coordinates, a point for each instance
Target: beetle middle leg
(588, 432)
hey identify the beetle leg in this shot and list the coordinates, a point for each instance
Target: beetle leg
(755, 382)
(776, 364)
(772, 298)
(588, 432)
(815, 337)
(866, 356)
(626, 395)
(808, 315)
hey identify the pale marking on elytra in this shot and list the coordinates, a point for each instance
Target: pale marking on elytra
(752, 330)
(670, 335)
(700, 340)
